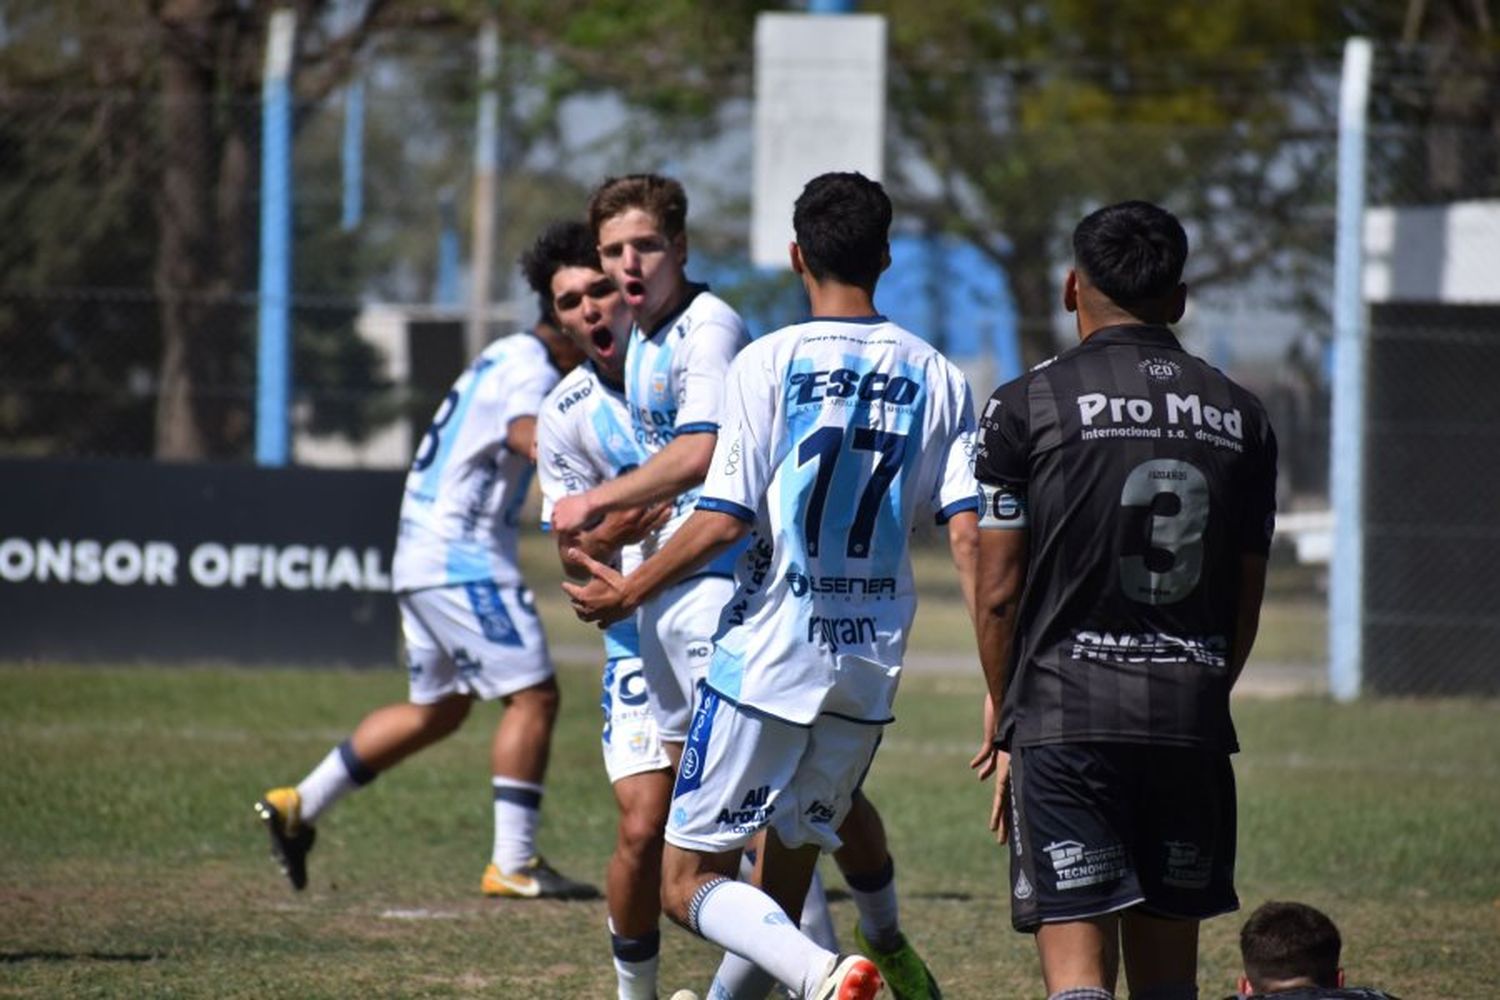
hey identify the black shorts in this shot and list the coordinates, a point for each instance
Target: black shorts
(1100, 827)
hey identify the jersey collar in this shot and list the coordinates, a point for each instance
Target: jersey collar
(605, 380)
(694, 289)
(1146, 334)
(863, 320)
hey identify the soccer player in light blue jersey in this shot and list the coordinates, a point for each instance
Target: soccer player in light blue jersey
(584, 439)
(836, 433)
(470, 628)
(684, 339)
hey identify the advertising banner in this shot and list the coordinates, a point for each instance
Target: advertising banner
(144, 561)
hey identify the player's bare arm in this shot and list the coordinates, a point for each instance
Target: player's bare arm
(604, 541)
(520, 436)
(610, 597)
(999, 578)
(678, 467)
(1247, 613)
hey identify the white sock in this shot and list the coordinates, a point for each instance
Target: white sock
(636, 961)
(875, 898)
(816, 920)
(518, 811)
(336, 775)
(739, 978)
(742, 919)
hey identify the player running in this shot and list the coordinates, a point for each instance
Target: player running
(1132, 487)
(836, 431)
(584, 439)
(470, 628)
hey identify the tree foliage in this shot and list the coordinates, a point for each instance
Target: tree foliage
(129, 162)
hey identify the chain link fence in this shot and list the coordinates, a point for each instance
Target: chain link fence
(1432, 237)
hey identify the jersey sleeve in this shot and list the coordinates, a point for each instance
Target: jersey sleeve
(706, 353)
(956, 491)
(1002, 458)
(559, 472)
(740, 472)
(1259, 522)
(525, 391)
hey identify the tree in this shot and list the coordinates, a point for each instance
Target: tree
(111, 192)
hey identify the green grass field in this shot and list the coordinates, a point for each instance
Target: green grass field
(132, 865)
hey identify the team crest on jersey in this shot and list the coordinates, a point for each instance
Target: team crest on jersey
(1160, 369)
(659, 388)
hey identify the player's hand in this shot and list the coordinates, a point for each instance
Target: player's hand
(984, 760)
(626, 527)
(1000, 805)
(573, 513)
(602, 600)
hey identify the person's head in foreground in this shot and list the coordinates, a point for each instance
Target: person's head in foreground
(842, 223)
(1127, 267)
(639, 222)
(563, 268)
(1287, 946)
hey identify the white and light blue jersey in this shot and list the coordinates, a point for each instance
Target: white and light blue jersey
(674, 383)
(465, 487)
(583, 438)
(837, 434)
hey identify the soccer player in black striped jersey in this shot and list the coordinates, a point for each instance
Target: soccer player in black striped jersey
(1128, 492)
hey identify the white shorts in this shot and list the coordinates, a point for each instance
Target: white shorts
(474, 638)
(743, 771)
(629, 741)
(677, 641)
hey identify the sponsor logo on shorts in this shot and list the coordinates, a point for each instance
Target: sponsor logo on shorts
(1078, 865)
(1022, 889)
(690, 774)
(819, 812)
(467, 665)
(489, 611)
(1187, 866)
(633, 688)
(755, 811)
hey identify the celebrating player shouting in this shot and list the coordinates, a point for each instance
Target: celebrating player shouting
(584, 439)
(836, 432)
(684, 339)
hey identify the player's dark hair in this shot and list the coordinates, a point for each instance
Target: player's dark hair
(1133, 252)
(661, 197)
(843, 225)
(1283, 941)
(562, 244)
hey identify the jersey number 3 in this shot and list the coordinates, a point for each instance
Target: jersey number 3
(824, 446)
(1174, 495)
